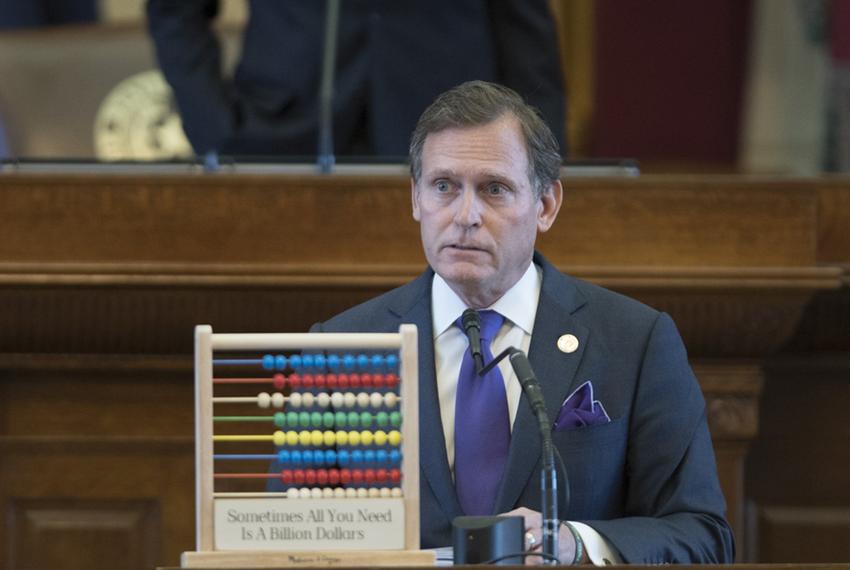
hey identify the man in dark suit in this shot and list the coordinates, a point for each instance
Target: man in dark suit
(630, 417)
(394, 57)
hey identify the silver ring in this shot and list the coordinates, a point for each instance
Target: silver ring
(530, 540)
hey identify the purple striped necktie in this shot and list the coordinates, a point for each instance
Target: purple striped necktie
(482, 426)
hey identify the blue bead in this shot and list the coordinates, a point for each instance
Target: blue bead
(268, 362)
(307, 361)
(343, 457)
(307, 456)
(381, 456)
(363, 363)
(295, 362)
(369, 456)
(333, 362)
(377, 363)
(348, 362)
(283, 456)
(296, 457)
(395, 456)
(330, 456)
(392, 363)
(319, 362)
(357, 457)
(280, 362)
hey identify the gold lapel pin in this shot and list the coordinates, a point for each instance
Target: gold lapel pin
(568, 343)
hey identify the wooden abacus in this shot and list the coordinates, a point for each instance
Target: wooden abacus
(356, 502)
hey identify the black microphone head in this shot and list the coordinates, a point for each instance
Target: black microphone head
(470, 318)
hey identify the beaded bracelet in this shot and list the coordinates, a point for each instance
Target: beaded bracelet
(579, 553)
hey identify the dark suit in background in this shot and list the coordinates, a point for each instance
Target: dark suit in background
(393, 58)
(647, 481)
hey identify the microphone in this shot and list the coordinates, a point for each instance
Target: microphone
(471, 322)
(548, 474)
(326, 160)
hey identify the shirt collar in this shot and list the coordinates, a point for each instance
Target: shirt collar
(518, 304)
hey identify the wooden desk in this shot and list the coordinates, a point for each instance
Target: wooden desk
(103, 277)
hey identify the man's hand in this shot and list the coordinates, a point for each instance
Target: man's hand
(534, 531)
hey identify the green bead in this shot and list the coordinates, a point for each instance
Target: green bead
(366, 419)
(328, 420)
(304, 419)
(280, 419)
(382, 419)
(292, 419)
(341, 419)
(395, 419)
(353, 419)
(316, 419)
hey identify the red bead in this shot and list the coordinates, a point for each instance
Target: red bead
(286, 477)
(331, 381)
(310, 476)
(298, 476)
(322, 476)
(343, 381)
(392, 380)
(381, 475)
(355, 381)
(279, 381)
(295, 381)
(379, 380)
(320, 381)
(333, 476)
(357, 476)
(395, 475)
(369, 476)
(307, 381)
(366, 380)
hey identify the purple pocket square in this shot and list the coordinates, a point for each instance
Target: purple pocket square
(580, 409)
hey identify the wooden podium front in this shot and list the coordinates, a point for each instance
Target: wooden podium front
(103, 277)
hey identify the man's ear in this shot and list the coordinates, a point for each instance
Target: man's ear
(414, 199)
(550, 204)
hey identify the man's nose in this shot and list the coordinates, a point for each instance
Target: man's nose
(468, 208)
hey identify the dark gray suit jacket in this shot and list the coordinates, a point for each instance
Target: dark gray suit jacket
(647, 481)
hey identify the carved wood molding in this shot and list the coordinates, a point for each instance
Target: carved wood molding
(732, 391)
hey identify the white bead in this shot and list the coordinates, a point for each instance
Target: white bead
(339, 493)
(350, 399)
(350, 493)
(385, 492)
(390, 399)
(264, 399)
(336, 400)
(374, 493)
(292, 493)
(396, 492)
(278, 400)
(376, 399)
(362, 400)
(295, 400)
(304, 493)
(323, 399)
(327, 493)
(362, 493)
(315, 493)
(307, 399)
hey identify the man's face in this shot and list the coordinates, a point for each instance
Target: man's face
(477, 210)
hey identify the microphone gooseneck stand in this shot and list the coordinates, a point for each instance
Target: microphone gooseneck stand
(326, 158)
(548, 474)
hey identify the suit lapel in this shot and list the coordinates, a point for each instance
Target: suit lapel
(555, 371)
(434, 464)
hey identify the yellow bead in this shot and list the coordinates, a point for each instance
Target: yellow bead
(395, 437)
(292, 438)
(304, 437)
(330, 438)
(342, 438)
(279, 437)
(316, 438)
(380, 438)
(354, 438)
(366, 437)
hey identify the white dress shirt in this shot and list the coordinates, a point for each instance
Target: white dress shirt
(519, 307)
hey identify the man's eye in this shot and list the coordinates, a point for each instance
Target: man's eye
(442, 186)
(496, 189)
